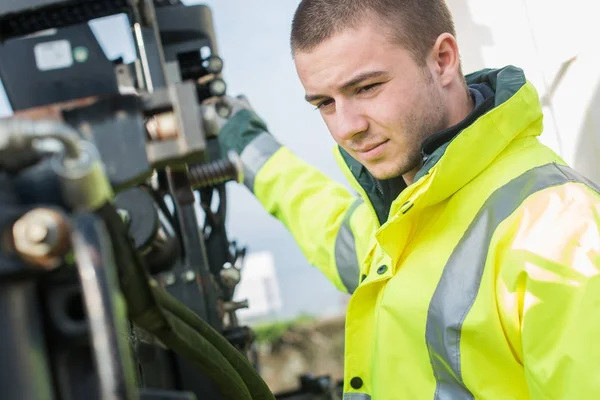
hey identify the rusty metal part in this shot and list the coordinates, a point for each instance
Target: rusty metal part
(205, 79)
(163, 126)
(54, 111)
(41, 237)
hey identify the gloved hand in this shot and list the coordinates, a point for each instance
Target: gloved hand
(238, 127)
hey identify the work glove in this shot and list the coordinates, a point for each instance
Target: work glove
(237, 126)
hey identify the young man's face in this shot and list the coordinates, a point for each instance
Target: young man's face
(377, 102)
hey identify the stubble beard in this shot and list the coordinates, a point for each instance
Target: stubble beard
(430, 119)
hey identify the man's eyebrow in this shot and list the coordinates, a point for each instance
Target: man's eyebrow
(352, 82)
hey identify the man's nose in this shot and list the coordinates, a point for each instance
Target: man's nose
(350, 121)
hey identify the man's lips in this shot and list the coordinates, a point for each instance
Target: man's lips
(367, 148)
(371, 150)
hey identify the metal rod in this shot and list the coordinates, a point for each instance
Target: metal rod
(15, 133)
(143, 57)
(149, 47)
(93, 265)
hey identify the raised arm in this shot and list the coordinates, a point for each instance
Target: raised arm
(331, 226)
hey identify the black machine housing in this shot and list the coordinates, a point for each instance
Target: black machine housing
(51, 61)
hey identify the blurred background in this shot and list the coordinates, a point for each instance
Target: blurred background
(552, 40)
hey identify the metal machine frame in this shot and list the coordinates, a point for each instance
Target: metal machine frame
(109, 288)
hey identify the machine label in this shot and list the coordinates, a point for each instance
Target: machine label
(53, 55)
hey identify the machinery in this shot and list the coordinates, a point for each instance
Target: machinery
(116, 272)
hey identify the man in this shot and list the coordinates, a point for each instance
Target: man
(472, 253)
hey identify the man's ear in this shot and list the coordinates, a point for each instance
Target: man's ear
(445, 59)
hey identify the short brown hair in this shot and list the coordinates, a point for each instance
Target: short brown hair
(415, 24)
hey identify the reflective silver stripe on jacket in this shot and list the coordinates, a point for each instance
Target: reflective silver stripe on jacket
(346, 258)
(256, 154)
(459, 284)
(356, 396)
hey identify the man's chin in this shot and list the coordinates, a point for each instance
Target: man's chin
(383, 172)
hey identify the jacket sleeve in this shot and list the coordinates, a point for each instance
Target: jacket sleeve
(556, 246)
(330, 225)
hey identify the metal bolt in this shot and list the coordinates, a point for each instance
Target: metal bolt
(217, 87)
(217, 172)
(214, 64)
(169, 279)
(41, 237)
(37, 232)
(223, 110)
(189, 276)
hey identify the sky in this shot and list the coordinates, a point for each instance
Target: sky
(253, 42)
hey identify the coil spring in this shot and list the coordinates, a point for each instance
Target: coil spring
(216, 172)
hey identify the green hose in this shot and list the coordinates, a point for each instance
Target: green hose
(184, 340)
(176, 333)
(256, 385)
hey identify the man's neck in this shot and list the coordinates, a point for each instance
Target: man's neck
(457, 112)
(409, 177)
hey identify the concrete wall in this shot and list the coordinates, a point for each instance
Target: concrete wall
(553, 41)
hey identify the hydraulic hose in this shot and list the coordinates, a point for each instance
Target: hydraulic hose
(185, 341)
(242, 366)
(154, 310)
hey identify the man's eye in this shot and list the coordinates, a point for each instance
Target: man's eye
(368, 87)
(323, 104)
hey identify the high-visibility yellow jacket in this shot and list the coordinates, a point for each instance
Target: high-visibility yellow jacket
(481, 283)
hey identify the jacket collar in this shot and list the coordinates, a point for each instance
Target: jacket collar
(452, 163)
